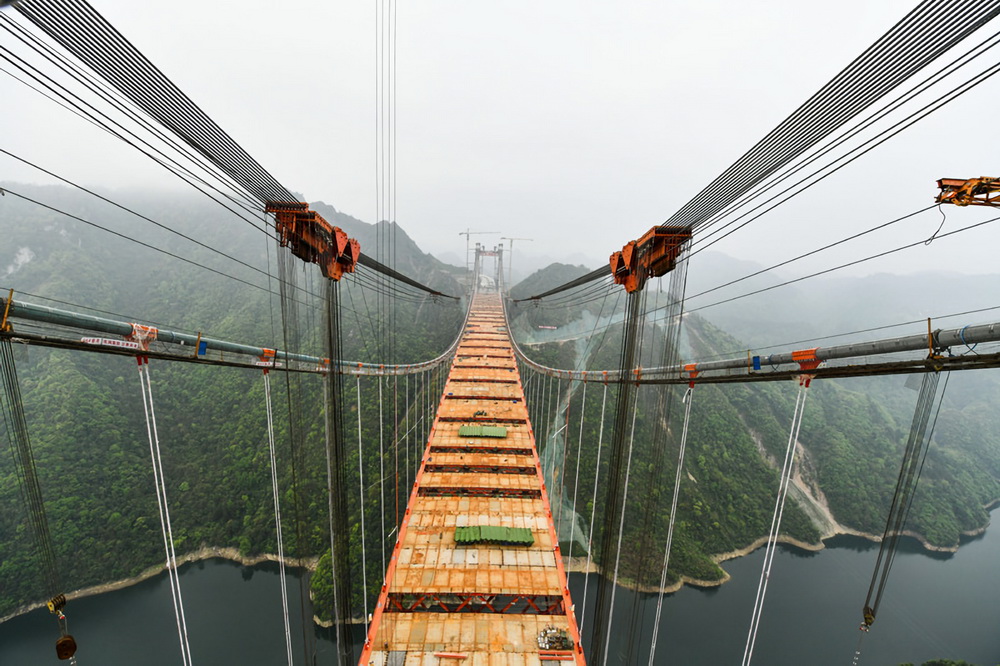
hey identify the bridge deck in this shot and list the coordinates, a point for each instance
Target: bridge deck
(486, 603)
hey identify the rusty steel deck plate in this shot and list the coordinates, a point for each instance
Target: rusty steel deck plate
(484, 604)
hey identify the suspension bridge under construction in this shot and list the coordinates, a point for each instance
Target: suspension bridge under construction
(474, 568)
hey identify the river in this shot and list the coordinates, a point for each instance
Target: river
(934, 606)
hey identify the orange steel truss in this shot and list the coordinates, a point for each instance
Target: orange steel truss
(972, 192)
(482, 604)
(313, 239)
(652, 255)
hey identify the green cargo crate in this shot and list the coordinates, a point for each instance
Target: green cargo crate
(502, 536)
(482, 431)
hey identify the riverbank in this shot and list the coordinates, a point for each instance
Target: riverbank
(579, 564)
(572, 565)
(204, 553)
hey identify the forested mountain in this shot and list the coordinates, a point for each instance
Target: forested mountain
(88, 434)
(85, 411)
(852, 439)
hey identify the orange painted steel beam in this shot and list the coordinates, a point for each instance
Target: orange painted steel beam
(652, 255)
(483, 601)
(981, 191)
(313, 239)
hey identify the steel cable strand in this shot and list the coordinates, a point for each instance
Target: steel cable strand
(292, 338)
(575, 294)
(114, 97)
(616, 488)
(395, 449)
(844, 265)
(907, 469)
(922, 48)
(576, 477)
(869, 608)
(828, 246)
(688, 399)
(809, 109)
(879, 58)
(164, 512)
(361, 505)
(668, 357)
(16, 428)
(779, 508)
(128, 109)
(910, 95)
(15, 425)
(567, 413)
(862, 150)
(76, 108)
(277, 515)
(381, 468)
(908, 504)
(621, 531)
(674, 219)
(593, 504)
(406, 434)
(339, 619)
(137, 214)
(94, 115)
(375, 284)
(139, 242)
(151, 79)
(336, 461)
(117, 61)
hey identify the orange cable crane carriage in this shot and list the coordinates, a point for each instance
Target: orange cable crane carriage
(980, 191)
(652, 255)
(313, 239)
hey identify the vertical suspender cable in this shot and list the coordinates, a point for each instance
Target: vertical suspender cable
(336, 479)
(911, 468)
(618, 458)
(361, 506)
(688, 395)
(164, 509)
(561, 485)
(16, 426)
(621, 531)
(547, 412)
(576, 478)
(277, 516)
(406, 434)
(593, 505)
(395, 445)
(381, 468)
(779, 508)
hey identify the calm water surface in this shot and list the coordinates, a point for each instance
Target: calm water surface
(934, 606)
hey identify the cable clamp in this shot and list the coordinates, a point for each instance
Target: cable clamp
(4, 326)
(143, 335)
(806, 358)
(691, 369)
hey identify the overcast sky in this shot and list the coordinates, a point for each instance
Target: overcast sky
(578, 124)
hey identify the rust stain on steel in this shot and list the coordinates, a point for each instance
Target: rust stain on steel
(486, 602)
